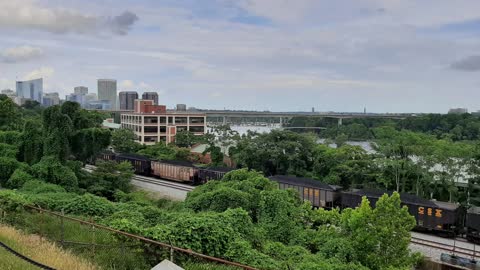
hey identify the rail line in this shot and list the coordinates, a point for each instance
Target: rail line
(454, 249)
(155, 181)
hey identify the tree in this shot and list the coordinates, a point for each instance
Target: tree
(108, 177)
(89, 142)
(123, 141)
(9, 115)
(7, 168)
(31, 104)
(215, 154)
(222, 136)
(341, 139)
(277, 152)
(380, 236)
(31, 147)
(187, 139)
(57, 129)
(51, 170)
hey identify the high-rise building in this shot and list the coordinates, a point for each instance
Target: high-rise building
(127, 99)
(107, 90)
(32, 89)
(151, 96)
(90, 97)
(458, 111)
(80, 90)
(50, 99)
(79, 98)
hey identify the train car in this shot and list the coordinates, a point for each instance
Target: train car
(107, 156)
(321, 195)
(473, 225)
(441, 217)
(181, 171)
(141, 164)
(212, 173)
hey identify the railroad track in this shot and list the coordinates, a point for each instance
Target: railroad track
(445, 247)
(155, 181)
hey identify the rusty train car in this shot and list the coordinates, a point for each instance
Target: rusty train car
(180, 171)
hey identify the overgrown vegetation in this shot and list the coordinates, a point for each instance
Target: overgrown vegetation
(37, 249)
(244, 218)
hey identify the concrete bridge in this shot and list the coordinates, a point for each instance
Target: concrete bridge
(226, 117)
(253, 117)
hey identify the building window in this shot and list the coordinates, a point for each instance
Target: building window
(197, 120)
(151, 120)
(163, 129)
(148, 129)
(180, 120)
(181, 128)
(150, 139)
(163, 138)
(197, 129)
(170, 120)
(163, 120)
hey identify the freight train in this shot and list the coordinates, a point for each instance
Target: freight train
(447, 219)
(441, 218)
(180, 171)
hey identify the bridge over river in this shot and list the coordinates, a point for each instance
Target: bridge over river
(253, 117)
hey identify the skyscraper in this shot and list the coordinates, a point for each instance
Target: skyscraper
(80, 90)
(127, 99)
(151, 96)
(50, 99)
(32, 89)
(107, 90)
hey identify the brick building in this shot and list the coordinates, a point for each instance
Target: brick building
(154, 123)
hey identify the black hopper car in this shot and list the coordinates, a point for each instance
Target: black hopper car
(473, 225)
(319, 194)
(180, 171)
(442, 218)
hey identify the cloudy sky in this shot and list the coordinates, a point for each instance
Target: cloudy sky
(342, 55)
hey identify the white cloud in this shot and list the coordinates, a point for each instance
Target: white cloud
(5, 84)
(42, 72)
(133, 86)
(21, 53)
(29, 14)
(127, 85)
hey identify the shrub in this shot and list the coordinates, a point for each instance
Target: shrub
(11, 200)
(19, 178)
(50, 170)
(7, 167)
(39, 187)
(51, 201)
(90, 206)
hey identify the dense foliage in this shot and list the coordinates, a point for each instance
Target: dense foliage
(247, 219)
(456, 127)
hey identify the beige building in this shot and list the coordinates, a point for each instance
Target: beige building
(153, 123)
(107, 90)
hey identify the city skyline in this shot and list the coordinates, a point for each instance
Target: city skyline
(387, 56)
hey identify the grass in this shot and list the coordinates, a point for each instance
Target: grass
(37, 249)
(108, 252)
(10, 262)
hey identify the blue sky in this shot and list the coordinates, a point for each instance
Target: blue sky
(387, 56)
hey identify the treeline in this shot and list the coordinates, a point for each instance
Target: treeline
(404, 161)
(456, 127)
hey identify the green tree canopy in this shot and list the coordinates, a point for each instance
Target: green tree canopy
(123, 141)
